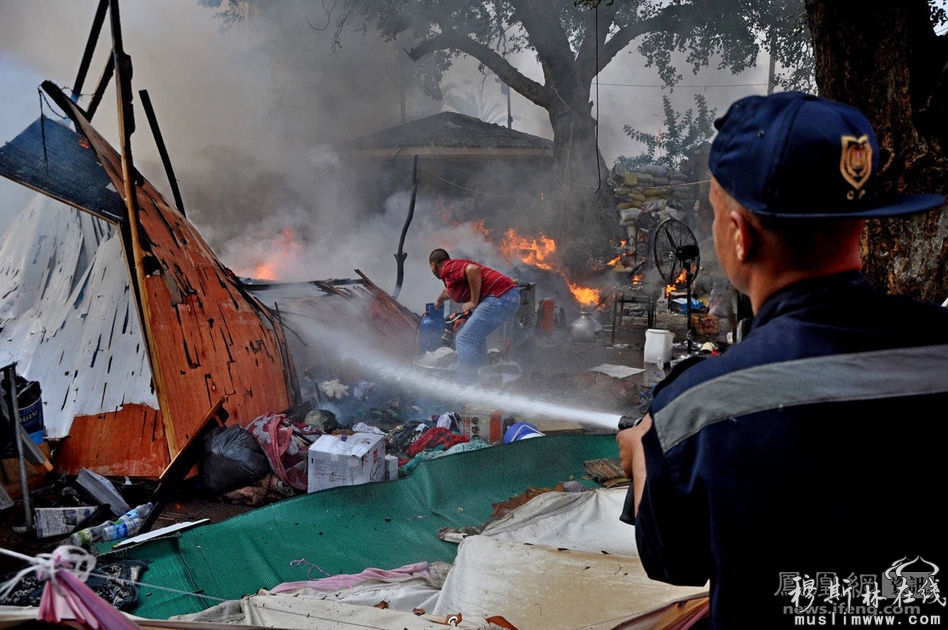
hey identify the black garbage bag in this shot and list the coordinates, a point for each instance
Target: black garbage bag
(232, 459)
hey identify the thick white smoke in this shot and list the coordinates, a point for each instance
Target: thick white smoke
(251, 115)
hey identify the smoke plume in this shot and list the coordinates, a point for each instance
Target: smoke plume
(253, 114)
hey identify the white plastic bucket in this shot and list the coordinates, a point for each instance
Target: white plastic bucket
(658, 346)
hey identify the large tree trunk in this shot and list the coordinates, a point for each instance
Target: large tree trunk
(585, 221)
(882, 57)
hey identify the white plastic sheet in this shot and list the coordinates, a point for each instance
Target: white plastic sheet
(561, 560)
(584, 521)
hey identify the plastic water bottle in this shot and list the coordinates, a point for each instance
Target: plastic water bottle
(127, 525)
(89, 534)
(657, 372)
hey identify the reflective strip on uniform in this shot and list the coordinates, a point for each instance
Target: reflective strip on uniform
(858, 376)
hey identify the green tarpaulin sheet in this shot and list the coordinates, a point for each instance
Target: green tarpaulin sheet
(346, 530)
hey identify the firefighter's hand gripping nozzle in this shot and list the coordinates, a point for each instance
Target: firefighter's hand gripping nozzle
(627, 422)
(450, 325)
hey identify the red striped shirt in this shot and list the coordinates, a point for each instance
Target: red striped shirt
(492, 281)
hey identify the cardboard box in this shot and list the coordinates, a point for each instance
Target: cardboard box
(486, 426)
(391, 467)
(346, 460)
(705, 324)
(103, 491)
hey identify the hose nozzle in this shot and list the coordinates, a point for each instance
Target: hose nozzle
(627, 422)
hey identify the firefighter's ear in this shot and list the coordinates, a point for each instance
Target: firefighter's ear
(745, 235)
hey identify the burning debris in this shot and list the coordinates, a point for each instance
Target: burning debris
(260, 384)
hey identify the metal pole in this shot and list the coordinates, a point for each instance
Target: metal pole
(90, 48)
(162, 150)
(400, 255)
(509, 114)
(13, 412)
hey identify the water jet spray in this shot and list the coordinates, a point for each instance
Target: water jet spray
(349, 347)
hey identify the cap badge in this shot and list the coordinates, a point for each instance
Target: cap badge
(855, 163)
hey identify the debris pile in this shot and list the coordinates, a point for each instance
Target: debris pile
(354, 434)
(349, 435)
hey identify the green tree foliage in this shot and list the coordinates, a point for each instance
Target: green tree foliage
(681, 136)
(572, 42)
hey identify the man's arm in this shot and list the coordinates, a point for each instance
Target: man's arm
(670, 536)
(442, 298)
(632, 456)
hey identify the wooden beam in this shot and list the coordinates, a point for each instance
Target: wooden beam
(162, 151)
(131, 235)
(100, 89)
(90, 48)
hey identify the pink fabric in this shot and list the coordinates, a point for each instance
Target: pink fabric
(337, 582)
(66, 598)
(288, 461)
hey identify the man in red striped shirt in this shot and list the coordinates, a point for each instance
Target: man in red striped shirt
(491, 297)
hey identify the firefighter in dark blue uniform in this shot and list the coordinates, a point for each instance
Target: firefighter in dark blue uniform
(800, 473)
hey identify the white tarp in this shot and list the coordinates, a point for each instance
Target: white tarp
(543, 588)
(304, 613)
(68, 316)
(562, 560)
(584, 521)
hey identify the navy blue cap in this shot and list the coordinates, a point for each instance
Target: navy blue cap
(796, 155)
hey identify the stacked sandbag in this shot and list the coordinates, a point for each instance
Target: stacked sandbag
(652, 187)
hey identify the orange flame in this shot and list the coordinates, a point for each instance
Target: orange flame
(541, 252)
(264, 271)
(682, 277)
(584, 295)
(532, 251)
(283, 247)
(480, 227)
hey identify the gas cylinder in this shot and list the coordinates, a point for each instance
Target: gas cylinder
(547, 315)
(430, 328)
(585, 328)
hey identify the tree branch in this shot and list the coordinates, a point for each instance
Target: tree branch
(507, 73)
(666, 20)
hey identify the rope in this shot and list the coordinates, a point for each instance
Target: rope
(81, 563)
(167, 589)
(76, 560)
(310, 567)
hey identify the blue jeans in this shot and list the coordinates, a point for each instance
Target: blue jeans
(471, 340)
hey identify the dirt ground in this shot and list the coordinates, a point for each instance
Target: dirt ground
(560, 369)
